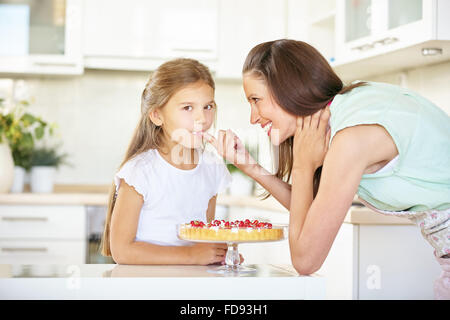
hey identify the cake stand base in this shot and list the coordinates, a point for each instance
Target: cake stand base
(231, 270)
(232, 260)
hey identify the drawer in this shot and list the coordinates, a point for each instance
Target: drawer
(42, 252)
(42, 222)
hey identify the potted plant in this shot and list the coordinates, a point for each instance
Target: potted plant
(20, 129)
(44, 163)
(6, 160)
(241, 184)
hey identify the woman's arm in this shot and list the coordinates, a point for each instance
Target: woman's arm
(314, 224)
(229, 146)
(279, 189)
(125, 250)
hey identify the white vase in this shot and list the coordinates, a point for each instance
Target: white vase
(241, 185)
(19, 180)
(42, 179)
(6, 167)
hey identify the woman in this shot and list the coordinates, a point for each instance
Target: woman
(386, 143)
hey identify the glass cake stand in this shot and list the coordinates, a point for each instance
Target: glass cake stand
(232, 259)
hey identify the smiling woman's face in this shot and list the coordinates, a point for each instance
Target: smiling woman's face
(277, 122)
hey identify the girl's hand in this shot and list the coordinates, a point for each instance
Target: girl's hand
(311, 140)
(208, 253)
(231, 148)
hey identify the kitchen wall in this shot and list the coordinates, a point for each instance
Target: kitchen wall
(98, 111)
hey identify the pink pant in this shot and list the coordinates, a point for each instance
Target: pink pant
(442, 284)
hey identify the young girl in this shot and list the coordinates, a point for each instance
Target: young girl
(387, 144)
(166, 177)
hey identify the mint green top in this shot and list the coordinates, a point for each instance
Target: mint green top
(420, 179)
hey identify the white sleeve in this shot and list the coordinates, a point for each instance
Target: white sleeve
(134, 176)
(223, 178)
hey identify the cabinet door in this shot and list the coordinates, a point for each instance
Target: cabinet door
(40, 37)
(151, 29)
(368, 28)
(42, 252)
(340, 267)
(410, 22)
(395, 262)
(42, 222)
(244, 24)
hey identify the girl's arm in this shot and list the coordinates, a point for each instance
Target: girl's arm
(125, 250)
(211, 211)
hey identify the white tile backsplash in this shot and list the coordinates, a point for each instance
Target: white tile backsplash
(98, 111)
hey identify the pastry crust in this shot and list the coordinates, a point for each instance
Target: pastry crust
(230, 231)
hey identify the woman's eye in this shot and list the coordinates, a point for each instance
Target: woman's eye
(255, 100)
(209, 107)
(188, 108)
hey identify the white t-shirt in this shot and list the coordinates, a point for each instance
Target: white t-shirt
(172, 195)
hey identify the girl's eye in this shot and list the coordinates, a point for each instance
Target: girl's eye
(255, 99)
(209, 107)
(188, 108)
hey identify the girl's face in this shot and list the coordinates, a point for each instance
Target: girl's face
(277, 122)
(188, 114)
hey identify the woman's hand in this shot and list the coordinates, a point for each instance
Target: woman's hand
(311, 140)
(208, 253)
(231, 148)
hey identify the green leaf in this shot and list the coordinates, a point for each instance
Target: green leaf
(28, 118)
(39, 132)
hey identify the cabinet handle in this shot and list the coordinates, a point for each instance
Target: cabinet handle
(26, 219)
(24, 250)
(367, 46)
(364, 47)
(54, 64)
(386, 41)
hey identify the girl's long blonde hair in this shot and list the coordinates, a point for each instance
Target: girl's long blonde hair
(162, 85)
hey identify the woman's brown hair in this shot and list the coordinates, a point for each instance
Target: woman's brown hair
(162, 85)
(301, 81)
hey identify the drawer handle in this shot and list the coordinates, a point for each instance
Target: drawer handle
(24, 249)
(27, 219)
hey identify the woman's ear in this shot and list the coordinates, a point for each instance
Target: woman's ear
(155, 117)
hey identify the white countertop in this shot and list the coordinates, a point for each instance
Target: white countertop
(110, 281)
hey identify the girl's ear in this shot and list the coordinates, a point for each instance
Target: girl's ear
(156, 118)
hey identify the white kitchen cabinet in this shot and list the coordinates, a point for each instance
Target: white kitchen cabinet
(388, 35)
(244, 24)
(140, 35)
(42, 252)
(313, 22)
(43, 234)
(40, 37)
(395, 262)
(374, 261)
